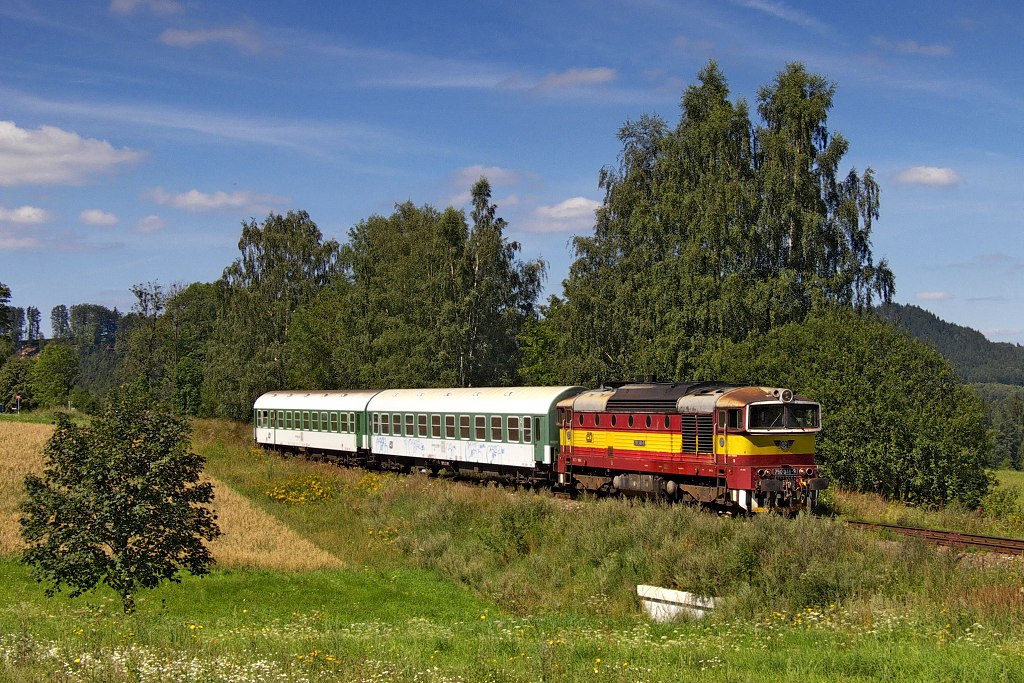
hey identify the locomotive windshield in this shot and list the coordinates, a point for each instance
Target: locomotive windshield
(784, 416)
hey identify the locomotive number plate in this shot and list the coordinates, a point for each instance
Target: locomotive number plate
(784, 472)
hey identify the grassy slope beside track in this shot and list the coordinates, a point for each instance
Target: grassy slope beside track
(441, 581)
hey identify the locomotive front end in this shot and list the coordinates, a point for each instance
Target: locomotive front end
(766, 437)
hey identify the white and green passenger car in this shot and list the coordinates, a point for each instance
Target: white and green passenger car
(312, 421)
(499, 430)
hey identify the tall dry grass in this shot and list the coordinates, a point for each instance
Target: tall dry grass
(21, 452)
(251, 538)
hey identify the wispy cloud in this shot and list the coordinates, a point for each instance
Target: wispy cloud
(574, 79)
(51, 156)
(98, 218)
(308, 136)
(149, 224)
(10, 241)
(197, 201)
(156, 6)
(572, 215)
(929, 175)
(24, 215)
(912, 47)
(781, 10)
(244, 38)
(933, 296)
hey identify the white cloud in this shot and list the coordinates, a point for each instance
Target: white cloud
(497, 175)
(149, 224)
(24, 215)
(194, 200)
(51, 156)
(933, 296)
(157, 6)
(572, 215)
(98, 217)
(929, 175)
(244, 39)
(576, 78)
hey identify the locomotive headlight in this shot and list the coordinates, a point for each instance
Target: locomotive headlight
(761, 473)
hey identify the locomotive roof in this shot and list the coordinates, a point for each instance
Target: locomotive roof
(650, 397)
(512, 400)
(345, 400)
(681, 397)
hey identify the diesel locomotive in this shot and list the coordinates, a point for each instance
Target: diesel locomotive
(739, 449)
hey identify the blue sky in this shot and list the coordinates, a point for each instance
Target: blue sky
(137, 135)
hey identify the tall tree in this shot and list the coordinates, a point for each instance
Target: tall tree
(425, 300)
(500, 293)
(16, 322)
(5, 298)
(60, 322)
(710, 232)
(34, 319)
(817, 223)
(284, 263)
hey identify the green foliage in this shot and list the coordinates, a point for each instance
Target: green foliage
(119, 502)
(426, 300)
(54, 374)
(896, 418)
(1004, 406)
(5, 311)
(1002, 502)
(717, 230)
(15, 380)
(284, 264)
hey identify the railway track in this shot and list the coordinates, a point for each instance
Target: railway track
(993, 544)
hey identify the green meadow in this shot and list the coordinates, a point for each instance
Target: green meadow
(377, 577)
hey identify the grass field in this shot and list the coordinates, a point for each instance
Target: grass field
(333, 574)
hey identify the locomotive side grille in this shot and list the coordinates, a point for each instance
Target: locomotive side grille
(689, 433)
(705, 434)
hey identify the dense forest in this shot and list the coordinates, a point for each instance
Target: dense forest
(978, 360)
(726, 248)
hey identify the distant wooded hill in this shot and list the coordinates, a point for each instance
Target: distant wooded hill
(977, 359)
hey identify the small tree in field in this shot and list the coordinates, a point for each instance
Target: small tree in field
(119, 502)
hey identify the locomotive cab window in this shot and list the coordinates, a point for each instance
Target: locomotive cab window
(735, 419)
(773, 416)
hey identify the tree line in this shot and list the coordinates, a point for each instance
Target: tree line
(725, 248)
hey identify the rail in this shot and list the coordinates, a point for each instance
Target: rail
(994, 544)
